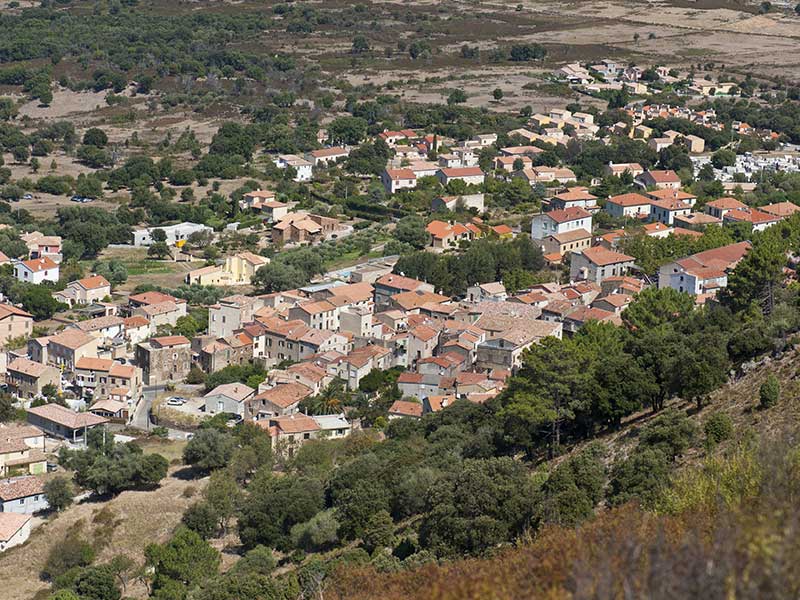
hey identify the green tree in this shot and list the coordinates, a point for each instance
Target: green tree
(186, 560)
(12, 192)
(360, 45)
(63, 595)
(260, 561)
(277, 277)
(96, 137)
(158, 250)
(97, 583)
(497, 94)
(477, 506)
(411, 230)
(201, 518)
(274, 506)
(70, 552)
(457, 97)
(642, 476)
(723, 157)
(186, 326)
(770, 391)
(378, 532)
(224, 496)
(7, 409)
(208, 450)
(59, 492)
(756, 277)
(671, 433)
(718, 428)
(347, 130)
(702, 366)
(38, 301)
(8, 109)
(573, 489)
(318, 533)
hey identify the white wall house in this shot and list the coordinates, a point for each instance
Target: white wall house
(303, 168)
(14, 530)
(628, 205)
(398, 179)
(560, 221)
(174, 233)
(36, 270)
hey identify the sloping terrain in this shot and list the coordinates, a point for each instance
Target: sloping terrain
(123, 525)
(622, 552)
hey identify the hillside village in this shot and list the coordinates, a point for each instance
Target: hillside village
(113, 366)
(271, 322)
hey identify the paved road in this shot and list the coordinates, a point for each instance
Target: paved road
(141, 417)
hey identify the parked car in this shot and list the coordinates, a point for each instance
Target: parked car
(234, 420)
(176, 401)
(28, 197)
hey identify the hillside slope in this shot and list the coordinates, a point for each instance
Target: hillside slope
(735, 534)
(123, 525)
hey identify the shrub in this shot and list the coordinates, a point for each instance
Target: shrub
(641, 476)
(718, 428)
(201, 518)
(318, 533)
(671, 432)
(770, 392)
(72, 551)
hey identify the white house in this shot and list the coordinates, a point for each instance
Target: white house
(327, 156)
(628, 205)
(469, 175)
(704, 272)
(758, 219)
(560, 221)
(36, 270)
(14, 530)
(302, 167)
(228, 398)
(398, 179)
(22, 495)
(596, 263)
(175, 233)
(665, 211)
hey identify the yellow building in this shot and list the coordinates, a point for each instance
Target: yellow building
(241, 267)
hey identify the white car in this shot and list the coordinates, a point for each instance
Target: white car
(176, 401)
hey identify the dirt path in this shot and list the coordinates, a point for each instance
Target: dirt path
(142, 517)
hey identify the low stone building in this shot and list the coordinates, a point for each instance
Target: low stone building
(164, 359)
(28, 378)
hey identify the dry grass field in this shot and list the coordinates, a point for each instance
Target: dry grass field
(125, 525)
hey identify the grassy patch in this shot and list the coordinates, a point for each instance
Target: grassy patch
(169, 449)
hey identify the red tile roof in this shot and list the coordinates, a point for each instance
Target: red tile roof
(601, 256)
(406, 409)
(568, 214)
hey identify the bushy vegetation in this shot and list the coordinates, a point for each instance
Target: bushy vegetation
(109, 468)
